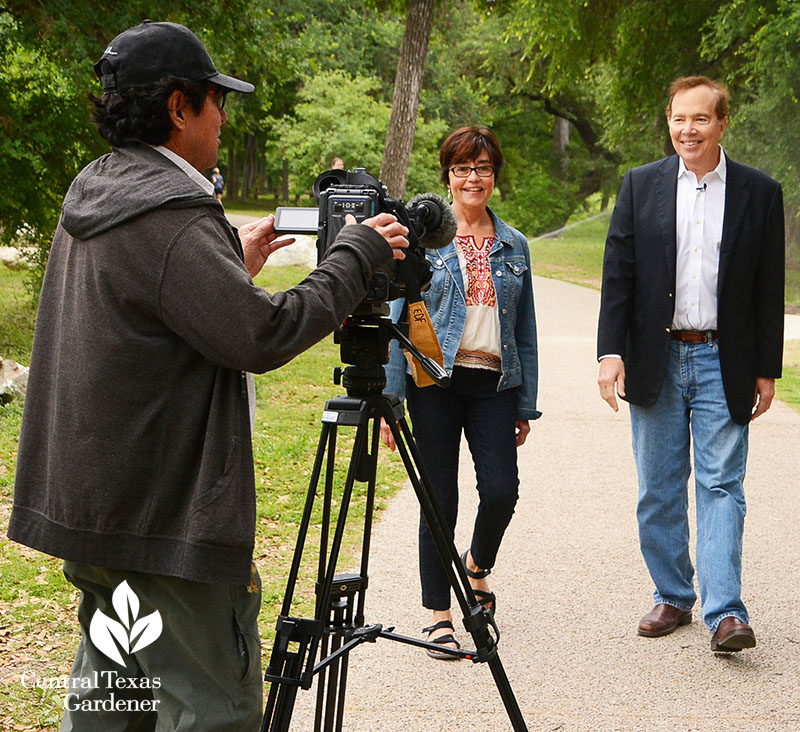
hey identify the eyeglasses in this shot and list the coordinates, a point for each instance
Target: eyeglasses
(219, 98)
(463, 171)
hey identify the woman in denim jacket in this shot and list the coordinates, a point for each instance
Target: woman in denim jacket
(481, 304)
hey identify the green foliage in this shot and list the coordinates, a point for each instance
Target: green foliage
(606, 65)
(47, 51)
(324, 72)
(320, 129)
(343, 115)
(353, 37)
(761, 42)
(610, 62)
(538, 201)
(45, 138)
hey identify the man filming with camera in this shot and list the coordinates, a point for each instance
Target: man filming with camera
(135, 460)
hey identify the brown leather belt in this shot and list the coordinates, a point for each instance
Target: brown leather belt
(693, 336)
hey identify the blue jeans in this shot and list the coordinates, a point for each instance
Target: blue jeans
(691, 408)
(487, 418)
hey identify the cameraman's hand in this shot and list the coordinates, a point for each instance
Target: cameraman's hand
(387, 438)
(389, 228)
(259, 241)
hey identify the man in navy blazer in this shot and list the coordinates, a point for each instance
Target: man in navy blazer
(691, 335)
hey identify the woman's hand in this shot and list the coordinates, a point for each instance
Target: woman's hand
(387, 438)
(523, 427)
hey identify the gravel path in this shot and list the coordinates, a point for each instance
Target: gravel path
(572, 585)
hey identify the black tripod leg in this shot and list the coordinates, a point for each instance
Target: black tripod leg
(347, 611)
(476, 619)
(333, 617)
(286, 668)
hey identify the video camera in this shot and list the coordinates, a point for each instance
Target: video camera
(429, 219)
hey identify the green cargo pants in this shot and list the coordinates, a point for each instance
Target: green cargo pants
(163, 654)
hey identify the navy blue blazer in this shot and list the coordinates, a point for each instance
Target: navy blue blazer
(638, 291)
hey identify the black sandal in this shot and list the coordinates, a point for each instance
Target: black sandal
(486, 599)
(442, 639)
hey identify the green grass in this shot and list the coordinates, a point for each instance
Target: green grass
(290, 402)
(260, 207)
(793, 288)
(788, 387)
(249, 210)
(575, 256)
(17, 316)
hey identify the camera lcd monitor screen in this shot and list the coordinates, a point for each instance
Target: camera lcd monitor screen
(296, 220)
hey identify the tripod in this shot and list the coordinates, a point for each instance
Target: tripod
(338, 623)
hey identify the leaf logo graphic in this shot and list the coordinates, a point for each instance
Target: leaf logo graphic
(130, 634)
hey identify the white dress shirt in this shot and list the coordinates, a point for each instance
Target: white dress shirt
(187, 168)
(699, 212)
(699, 209)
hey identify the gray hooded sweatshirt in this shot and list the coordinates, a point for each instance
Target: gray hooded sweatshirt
(135, 449)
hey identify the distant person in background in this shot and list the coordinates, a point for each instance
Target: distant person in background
(481, 304)
(337, 164)
(218, 182)
(691, 334)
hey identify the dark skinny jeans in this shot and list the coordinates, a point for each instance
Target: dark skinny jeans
(487, 418)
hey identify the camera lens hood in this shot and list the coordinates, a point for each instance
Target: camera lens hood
(333, 177)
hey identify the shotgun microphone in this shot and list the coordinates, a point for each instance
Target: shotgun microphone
(434, 220)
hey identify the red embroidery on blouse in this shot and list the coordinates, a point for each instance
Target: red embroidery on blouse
(480, 288)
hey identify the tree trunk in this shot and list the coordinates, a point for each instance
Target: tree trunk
(405, 104)
(231, 177)
(560, 142)
(792, 235)
(249, 166)
(285, 182)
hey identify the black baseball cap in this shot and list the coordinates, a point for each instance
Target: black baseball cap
(140, 57)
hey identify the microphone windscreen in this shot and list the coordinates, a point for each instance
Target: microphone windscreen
(438, 217)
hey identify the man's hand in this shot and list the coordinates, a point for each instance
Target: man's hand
(765, 392)
(389, 228)
(611, 380)
(259, 240)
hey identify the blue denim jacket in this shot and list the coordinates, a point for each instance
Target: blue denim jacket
(447, 306)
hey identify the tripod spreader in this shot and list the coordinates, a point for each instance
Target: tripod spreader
(338, 625)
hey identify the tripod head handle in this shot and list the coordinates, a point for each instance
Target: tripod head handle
(433, 369)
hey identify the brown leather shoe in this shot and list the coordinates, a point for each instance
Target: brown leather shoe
(663, 619)
(732, 635)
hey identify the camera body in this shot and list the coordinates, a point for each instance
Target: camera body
(357, 192)
(365, 335)
(338, 200)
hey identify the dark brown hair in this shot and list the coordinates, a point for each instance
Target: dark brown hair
(467, 143)
(690, 82)
(125, 117)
